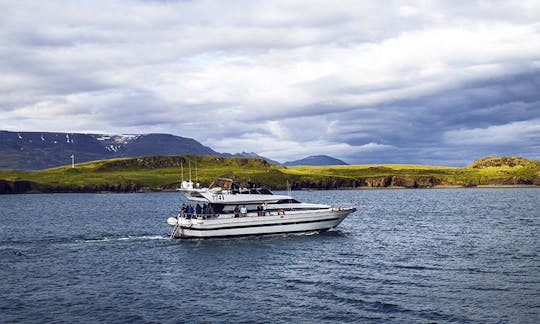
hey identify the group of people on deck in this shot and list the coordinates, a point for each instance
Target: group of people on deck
(189, 211)
(205, 211)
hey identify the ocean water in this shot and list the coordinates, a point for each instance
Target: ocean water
(456, 255)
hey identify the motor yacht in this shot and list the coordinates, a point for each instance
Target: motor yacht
(226, 209)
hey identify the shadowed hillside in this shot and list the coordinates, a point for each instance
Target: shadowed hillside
(39, 150)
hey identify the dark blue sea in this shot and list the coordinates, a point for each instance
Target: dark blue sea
(439, 255)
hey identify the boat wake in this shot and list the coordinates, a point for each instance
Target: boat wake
(124, 238)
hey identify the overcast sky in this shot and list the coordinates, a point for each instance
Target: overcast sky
(435, 82)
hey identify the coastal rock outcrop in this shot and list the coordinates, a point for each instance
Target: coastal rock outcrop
(511, 181)
(21, 187)
(15, 187)
(398, 181)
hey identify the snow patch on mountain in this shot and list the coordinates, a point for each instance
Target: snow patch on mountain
(117, 139)
(125, 138)
(113, 148)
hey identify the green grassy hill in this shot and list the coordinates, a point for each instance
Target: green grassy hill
(164, 173)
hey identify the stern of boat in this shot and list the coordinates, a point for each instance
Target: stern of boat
(178, 223)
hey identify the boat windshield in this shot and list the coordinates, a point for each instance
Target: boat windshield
(224, 183)
(233, 187)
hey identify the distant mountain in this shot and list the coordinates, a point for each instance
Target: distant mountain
(39, 150)
(316, 160)
(252, 155)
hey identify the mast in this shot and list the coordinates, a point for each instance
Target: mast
(189, 170)
(289, 192)
(182, 168)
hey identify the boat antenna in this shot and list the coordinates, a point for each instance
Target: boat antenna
(189, 170)
(289, 192)
(196, 175)
(182, 168)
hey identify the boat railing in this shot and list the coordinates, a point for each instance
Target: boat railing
(277, 212)
(345, 207)
(197, 216)
(232, 215)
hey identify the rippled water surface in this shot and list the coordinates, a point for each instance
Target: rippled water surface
(470, 255)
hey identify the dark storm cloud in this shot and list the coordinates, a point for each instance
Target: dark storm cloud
(417, 129)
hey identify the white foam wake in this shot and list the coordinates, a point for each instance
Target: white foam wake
(126, 238)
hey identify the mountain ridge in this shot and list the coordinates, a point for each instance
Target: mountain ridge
(41, 150)
(316, 160)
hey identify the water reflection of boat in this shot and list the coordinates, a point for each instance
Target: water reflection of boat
(230, 210)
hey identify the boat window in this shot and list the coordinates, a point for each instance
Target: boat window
(288, 201)
(217, 208)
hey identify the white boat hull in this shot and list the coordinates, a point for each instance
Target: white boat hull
(291, 222)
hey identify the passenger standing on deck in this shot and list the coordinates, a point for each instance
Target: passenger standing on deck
(236, 211)
(243, 211)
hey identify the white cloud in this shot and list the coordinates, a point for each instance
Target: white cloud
(517, 133)
(312, 75)
(283, 150)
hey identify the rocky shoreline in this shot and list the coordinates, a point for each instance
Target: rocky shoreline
(382, 182)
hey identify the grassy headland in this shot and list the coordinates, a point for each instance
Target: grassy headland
(164, 173)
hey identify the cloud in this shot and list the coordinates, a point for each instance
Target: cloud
(287, 149)
(516, 133)
(365, 81)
